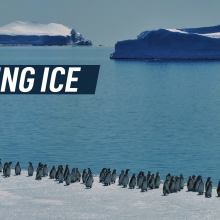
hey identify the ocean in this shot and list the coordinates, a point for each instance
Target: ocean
(147, 115)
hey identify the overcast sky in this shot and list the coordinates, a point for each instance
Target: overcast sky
(109, 21)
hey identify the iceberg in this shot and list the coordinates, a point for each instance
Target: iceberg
(188, 43)
(36, 34)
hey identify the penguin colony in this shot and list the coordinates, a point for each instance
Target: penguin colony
(142, 181)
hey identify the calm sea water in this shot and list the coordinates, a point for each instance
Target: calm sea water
(146, 115)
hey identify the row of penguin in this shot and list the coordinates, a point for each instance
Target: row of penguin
(170, 185)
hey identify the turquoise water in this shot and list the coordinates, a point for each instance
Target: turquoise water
(146, 115)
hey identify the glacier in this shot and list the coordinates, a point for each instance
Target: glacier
(23, 197)
(37, 34)
(187, 43)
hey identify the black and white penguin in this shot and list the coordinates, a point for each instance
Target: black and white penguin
(125, 180)
(144, 184)
(190, 184)
(140, 180)
(89, 180)
(121, 176)
(207, 182)
(133, 181)
(148, 175)
(68, 179)
(102, 174)
(45, 170)
(39, 173)
(208, 192)
(40, 165)
(218, 189)
(139, 174)
(67, 170)
(73, 175)
(18, 169)
(168, 177)
(157, 180)
(177, 184)
(166, 187)
(114, 175)
(78, 175)
(0, 165)
(84, 176)
(7, 168)
(151, 181)
(30, 169)
(201, 187)
(61, 176)
(107, 180)
(182, 181)
(89, 171)
(52, 173)
(195, 184)
(193, 179)
(58, 172)
(172, 185)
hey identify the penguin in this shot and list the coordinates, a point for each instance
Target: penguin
(193, 179)
(201, 187)
(73, 175)
(4, 167)
(121, 177)
(133, 181)
(148, 175)
(52, 173)
(151, 181)
(114, 175)
(60, 167)
(157, 180)
(40, 165)
(125, 180)
(45, 170)
(84, 175)
(0, 165)
(190, 184)
(78, 175)
(144, 184)
(218, 189)
(102, 174)
(140, 181)
(39, 173)
(182, 181)
(61, 176)
(177, 184)
(67, 170)
(139, 174)
(168, 177)
(30, 169)
(166, 187)
(18, 169)
(89, 171)
(207, 182)
(172, 185)
(196, 182)
(89, 180)
(68, 179)
(208, 192)
(7, 170)
(107, 180)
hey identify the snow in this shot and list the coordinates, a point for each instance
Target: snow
(24, 197)
(34, 33)
(188, 43)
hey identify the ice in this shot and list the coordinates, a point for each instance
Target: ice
(188, 43)
(34, 33)
(24, 197)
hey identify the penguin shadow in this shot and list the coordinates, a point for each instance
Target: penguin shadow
(88, 188)
(164, 195)
(200, 194)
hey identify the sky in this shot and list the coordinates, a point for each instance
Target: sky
(108, 21)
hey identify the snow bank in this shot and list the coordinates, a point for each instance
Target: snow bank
(34, 33)
(24, 197)
(189, 43)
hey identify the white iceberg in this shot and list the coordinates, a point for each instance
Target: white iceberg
(34, 33)
(188, 43)
(23, 197)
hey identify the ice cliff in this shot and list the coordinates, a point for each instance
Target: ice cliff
(34, 33)
(188, 43)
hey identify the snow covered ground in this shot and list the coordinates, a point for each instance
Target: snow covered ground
(188, 43)
(24, 197)
(34, 33)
